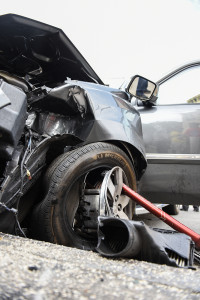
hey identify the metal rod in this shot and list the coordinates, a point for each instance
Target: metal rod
(162, 215)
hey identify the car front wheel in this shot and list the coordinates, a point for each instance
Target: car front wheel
(68, 214)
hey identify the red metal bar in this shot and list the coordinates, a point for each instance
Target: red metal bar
(162, 215)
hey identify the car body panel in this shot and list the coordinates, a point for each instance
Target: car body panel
(115, 119)
(173, 151)
(96, 114)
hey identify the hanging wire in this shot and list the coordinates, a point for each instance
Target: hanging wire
(22, 166)
(15, 212)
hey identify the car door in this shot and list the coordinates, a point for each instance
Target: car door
(171, 131)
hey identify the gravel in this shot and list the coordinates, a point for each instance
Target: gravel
(37, 270)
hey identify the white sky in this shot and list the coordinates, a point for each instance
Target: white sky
(121, 38)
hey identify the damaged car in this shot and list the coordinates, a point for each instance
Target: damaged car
(61, 130)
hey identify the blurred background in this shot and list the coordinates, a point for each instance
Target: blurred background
(121, 38)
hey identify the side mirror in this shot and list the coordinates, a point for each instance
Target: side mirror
(142, 88)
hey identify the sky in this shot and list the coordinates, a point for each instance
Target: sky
(121, 38)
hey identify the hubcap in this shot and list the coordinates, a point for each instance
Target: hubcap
(112, 202)
(103, 199)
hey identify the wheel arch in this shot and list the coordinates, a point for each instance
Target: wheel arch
(138, 160)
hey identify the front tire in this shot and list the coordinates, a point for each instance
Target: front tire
(59, 218)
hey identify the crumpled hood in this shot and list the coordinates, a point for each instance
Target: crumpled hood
(41, 53)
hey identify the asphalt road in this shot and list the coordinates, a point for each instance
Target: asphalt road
(36, 270)
(189, 218)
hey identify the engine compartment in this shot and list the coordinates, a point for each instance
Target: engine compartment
(30, 123)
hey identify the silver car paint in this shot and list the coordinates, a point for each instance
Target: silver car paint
(173, 157)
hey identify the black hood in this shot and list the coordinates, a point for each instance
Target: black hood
(41, 53)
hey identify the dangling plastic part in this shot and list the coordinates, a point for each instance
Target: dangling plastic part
(162, 215)
(125, 238)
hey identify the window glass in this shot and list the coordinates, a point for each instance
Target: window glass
(183, 88)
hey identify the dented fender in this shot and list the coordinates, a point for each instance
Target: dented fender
(91, 113)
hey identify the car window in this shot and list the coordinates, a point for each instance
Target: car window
(183, 88)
